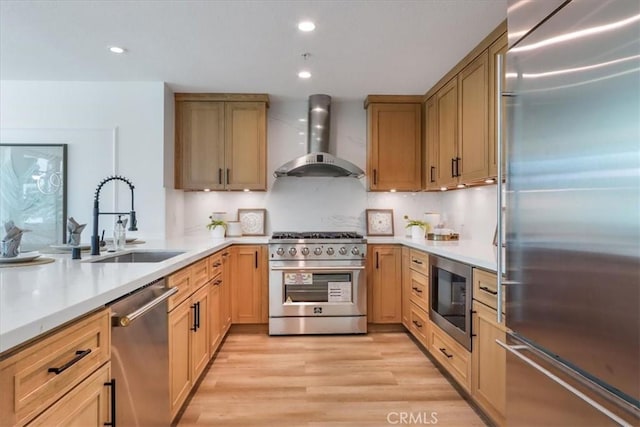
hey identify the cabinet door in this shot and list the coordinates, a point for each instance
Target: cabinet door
(215, 314)
(431, 140)
(245, 145)
(200, 337)
(246, 301)
(406, 287)
(386, 289)
(488, 379)
(498, 47)
(86, 405)
(225, 291)
(199, 161)
(395, 151)
(447, 125)
(180, 324)
(473, 120)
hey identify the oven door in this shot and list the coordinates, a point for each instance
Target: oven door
(317, 289)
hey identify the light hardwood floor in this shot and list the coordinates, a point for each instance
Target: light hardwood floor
(352, 380)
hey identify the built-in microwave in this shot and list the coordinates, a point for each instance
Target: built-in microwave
(450, 302)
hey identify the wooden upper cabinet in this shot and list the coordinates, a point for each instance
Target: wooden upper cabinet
(221, 141)
(499, 47)
(199, 145)
(394, 143)
(447, 125)
(431, 144)
(472, 161)
(246, 145)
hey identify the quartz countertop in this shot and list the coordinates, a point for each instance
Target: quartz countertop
(37, 299)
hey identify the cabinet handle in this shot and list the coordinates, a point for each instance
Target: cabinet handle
(198, 315)
(416, 261)
(79, 355)
(217, 264)
(444, 351)
(219, 175)
(453, 168)
(458, 166)
(226, 254)
(418, 324)
(418, 290)
(228, 172)
(195, 312)
(484, 288)
(375, 177)
(433, 168)
(256, 259)
(377, 261)
(112, 384)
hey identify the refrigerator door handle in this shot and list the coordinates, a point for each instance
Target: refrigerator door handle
(500, 173)
(515, 350)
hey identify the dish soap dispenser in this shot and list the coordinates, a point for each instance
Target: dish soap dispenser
(119, 236)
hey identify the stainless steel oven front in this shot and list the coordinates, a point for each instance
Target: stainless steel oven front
(317, 297)
(450, 302)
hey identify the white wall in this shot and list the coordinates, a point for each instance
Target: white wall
(111, 127)
(471, 211)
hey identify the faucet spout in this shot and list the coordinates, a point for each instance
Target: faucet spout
(95, 239)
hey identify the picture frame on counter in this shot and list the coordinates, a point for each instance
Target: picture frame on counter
(379, 222)
(252, 221)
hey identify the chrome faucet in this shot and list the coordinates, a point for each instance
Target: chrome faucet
(95, 239)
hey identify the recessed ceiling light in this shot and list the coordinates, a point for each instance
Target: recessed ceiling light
(207, 190)
(443, 188)
(489, 181)
(116, 49)
(461, 186)
(246, 190)
(306, 26)
(302, 120)
(300, 133)
(304, 74)
(393, 190)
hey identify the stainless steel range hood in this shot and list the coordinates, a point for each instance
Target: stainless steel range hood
(318, 161)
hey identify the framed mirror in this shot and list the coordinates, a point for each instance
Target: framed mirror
(33, 192)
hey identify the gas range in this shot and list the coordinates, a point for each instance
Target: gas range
(317, 245)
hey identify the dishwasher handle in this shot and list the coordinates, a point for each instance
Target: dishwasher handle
(124, 321)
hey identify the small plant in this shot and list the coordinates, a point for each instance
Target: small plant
(416, 223)
(216, 222)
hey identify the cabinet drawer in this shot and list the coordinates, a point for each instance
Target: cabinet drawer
(38, 375)
(199, 274)
(419, 262)
(455, 358)
(182, 280)
(215, 265)
(419, 290)
(419, 324)
(485, 288)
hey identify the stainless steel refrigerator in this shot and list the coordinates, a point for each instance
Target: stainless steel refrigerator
(572, 216)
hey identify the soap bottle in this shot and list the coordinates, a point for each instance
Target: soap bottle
(119, 236)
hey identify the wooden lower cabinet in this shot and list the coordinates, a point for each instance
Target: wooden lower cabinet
(215, 314)
(488, 367)
(419, 324)
(200, 337)
(87, 405)
(225, 291)
(248, 275)
(451, 355)
(406, 286)
(180, 379)
(385, 281)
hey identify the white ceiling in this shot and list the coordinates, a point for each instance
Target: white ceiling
(359, 47)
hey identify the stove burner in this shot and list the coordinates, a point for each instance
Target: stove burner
(316, 235)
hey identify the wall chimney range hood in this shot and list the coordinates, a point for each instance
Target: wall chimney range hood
(318, 162)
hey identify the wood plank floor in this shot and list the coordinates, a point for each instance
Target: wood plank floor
(351, 380)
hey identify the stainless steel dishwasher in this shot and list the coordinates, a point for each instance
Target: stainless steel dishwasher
(140, 356)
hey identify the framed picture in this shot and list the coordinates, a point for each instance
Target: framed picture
(33, 180)
(379, 222)
(252, 221)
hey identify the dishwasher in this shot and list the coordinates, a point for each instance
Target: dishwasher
(140, 357)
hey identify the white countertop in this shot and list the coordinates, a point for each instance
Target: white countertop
(37, 299)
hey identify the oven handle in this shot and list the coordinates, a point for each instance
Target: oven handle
(351, 267)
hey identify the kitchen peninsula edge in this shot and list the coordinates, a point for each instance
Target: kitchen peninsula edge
(36, 300)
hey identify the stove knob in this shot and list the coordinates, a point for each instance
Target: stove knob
(292, 251)
(330, 251)
(342, 251)
(355, 250)
(280, 251)
(304, 251)
(317, 251)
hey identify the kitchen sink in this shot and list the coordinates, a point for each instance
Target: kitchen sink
(140, 256)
